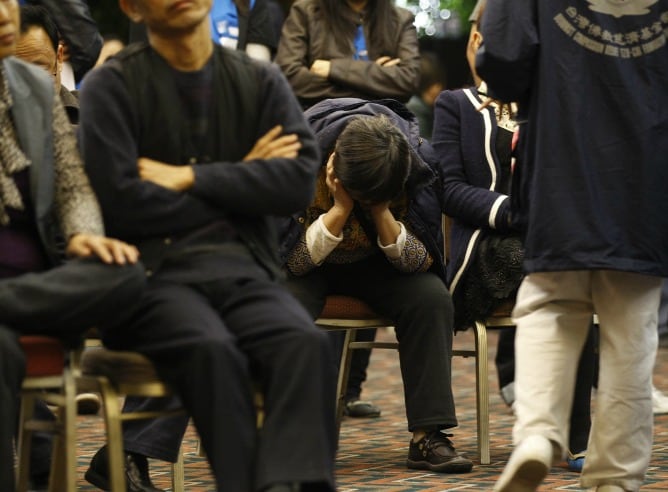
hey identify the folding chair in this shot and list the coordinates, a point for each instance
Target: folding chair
(351, 314)
(116, 374)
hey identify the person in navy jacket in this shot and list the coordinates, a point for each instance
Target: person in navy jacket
(589, 191)
(474, 148)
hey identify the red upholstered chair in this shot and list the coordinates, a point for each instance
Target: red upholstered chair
(54, 376)
(351, 314)
(50, 377)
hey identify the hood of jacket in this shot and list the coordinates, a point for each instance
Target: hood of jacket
(328, 119)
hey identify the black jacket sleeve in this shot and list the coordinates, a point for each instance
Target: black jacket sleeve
(265, 187)
(108, 140)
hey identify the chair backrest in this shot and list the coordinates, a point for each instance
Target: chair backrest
(344, 312)
(121, 368)
(115, 374)
(45, 356)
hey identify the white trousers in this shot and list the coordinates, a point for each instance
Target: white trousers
(553, 313)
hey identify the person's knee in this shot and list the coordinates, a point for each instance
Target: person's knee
(131, 278)
(431, 298)
(216, 349)
(213, 341)
(124, 282)
(312, 337)
(204, 358)
(304, 340)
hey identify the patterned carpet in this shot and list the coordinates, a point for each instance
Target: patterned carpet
(372, 452)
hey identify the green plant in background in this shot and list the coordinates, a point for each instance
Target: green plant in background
(440, 18)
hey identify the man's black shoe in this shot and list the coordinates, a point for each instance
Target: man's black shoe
(435, 452)
(136, 472)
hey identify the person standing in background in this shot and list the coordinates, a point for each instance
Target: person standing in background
(349, 48)
(277, 15)
(244, 25)
(589, 192)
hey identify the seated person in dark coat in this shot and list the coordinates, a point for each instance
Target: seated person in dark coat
(373, 231)
(44, 196)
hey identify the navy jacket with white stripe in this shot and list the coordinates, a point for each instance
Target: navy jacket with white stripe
(464, 140)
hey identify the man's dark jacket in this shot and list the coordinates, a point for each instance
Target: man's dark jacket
(130, 108)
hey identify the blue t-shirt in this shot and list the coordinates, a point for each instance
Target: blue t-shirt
(225, 23)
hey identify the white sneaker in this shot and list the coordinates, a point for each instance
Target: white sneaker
(527, 466)
(659, 402)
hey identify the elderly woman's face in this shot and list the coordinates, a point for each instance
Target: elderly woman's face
(9, 27)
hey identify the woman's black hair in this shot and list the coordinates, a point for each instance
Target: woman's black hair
(381, 17)
(372, 159)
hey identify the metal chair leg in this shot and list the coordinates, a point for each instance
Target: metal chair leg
(344, 372)
(482, 392)
(178, 474)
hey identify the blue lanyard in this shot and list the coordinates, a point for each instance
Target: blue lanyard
(361, 52)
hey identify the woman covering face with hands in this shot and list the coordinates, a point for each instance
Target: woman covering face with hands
(373, 231)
